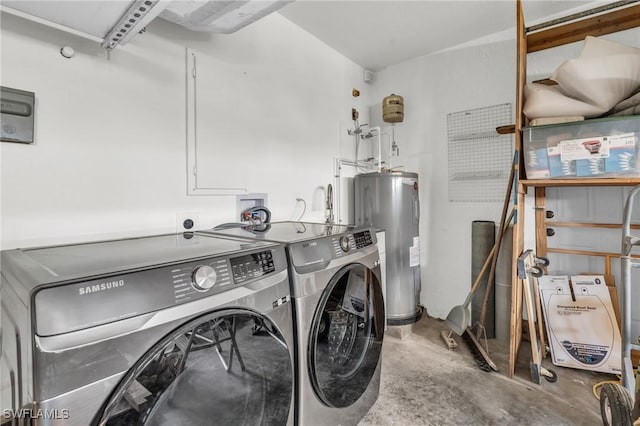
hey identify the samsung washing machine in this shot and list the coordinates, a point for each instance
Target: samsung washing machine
(339, 315)
(164, 330)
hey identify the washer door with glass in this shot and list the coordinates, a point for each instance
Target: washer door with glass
(227, 368)
(346, 336)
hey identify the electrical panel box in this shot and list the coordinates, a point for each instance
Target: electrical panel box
(17, 112)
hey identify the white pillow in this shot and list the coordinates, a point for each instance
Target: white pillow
(605, 73)
(602, 81)
(594, 46)
(547, 101)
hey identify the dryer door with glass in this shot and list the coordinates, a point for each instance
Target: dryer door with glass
(228, 367)
(346, 336)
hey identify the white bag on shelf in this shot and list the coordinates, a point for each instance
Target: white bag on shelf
(604, 74)
(548, 101)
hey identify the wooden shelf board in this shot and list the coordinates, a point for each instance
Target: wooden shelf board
(588, 253)
(551, 224)
(598, 25)
(581, 182)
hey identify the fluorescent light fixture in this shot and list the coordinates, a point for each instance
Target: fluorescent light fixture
(115, 22)
(219, 16)
(108, 22)
(139, 14)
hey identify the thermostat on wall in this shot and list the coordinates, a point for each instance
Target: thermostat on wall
(16, 115)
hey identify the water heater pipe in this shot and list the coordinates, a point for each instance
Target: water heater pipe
(337, 167)
(329, 202)
(373, 129)
(379, 148)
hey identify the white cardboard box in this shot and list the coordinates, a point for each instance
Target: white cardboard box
(582, 328)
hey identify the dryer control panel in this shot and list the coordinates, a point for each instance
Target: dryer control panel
(363, 239)
(209, 276)
(89, 303)
(348, 242)
(216, 275)
(313, 255)
(252, 265)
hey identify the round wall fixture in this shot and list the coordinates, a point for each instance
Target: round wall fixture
(67, 52)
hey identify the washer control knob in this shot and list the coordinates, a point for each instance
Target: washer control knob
(344, 243)
(203, 278)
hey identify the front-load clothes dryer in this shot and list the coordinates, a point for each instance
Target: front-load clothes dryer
(163, 330)
(339, 315)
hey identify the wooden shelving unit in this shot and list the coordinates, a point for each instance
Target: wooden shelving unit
(610, 19)
(543, 183)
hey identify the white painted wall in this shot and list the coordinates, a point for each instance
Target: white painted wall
(110, 152)
(433, 86)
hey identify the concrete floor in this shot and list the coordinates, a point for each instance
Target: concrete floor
(424, 383)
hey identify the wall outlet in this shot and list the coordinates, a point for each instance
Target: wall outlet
(187, 222)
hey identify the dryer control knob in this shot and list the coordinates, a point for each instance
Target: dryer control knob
(344, 243)
(203, 278)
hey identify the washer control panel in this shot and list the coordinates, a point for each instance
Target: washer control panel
(316, 254)
(251, 266)
(363, 239)
(346, 243)
(216, 275)
(190, 279)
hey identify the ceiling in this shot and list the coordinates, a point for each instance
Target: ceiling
(376, 33)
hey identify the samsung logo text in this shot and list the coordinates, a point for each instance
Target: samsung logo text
(100, 287)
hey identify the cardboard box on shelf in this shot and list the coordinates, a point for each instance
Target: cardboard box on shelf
(622, 154)
(537, 164)
(590, 168)
(557, 167)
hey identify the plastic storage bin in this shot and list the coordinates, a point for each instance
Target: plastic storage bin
(604, 147)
